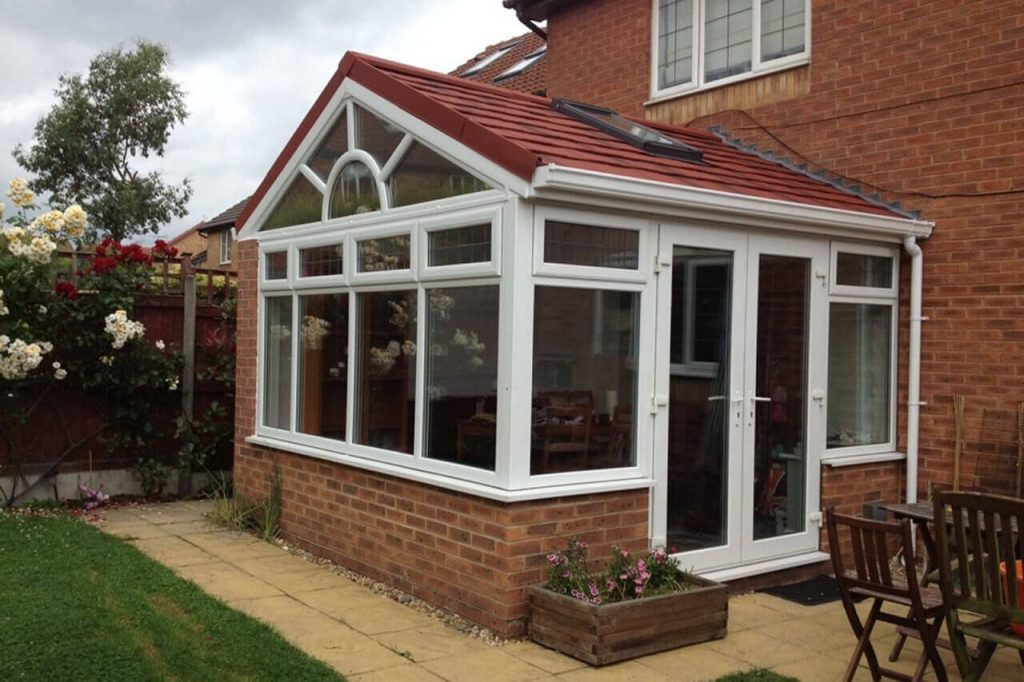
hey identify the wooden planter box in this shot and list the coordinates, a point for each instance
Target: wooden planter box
(606, 633)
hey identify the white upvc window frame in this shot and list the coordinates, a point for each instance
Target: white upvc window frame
(689, 366)
(876, 296)
(757, 67)
(633, 223)
(353, 284)
(467, 218)
(641, 282)
(225, 245)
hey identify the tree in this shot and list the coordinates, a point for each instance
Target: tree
(87, 147)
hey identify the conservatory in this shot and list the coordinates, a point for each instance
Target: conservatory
(478, 322)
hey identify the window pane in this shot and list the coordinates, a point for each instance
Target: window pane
(584, 379)
(602, 247)
(386, 253)
(460, 245)
(331, 149)
(376, 137)
(301, 204)
(675, 42)
(859, 353)
(277, 378)
(276, 265)
(860, 270)
(323, 354)
(355, 191)
(462, 375)
(423, 175)
(320, 261)
(728, 38)
(782, 28)
(386, 390)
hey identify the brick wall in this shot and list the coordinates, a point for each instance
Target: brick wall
(468, 554)
(924, 101)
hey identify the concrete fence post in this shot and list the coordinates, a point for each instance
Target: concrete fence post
(188, 351)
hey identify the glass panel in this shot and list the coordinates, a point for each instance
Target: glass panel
(782, 28)
(462, 375)
(584, 379)
(459, 245)
(675, 42)
(323, 354)
(698, 440)
(779, 428)
(727, 38)
(859, 270)
(424, 175)
(386, 395)
(385, 253)
(376, 137)
(276, 265)
(700, 285)
(277, 377)
(301, 204)
(602, 247)
(859, 352)
(320, 261)
(355, 191)
(331, 149)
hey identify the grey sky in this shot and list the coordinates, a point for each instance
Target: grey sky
(250, 68)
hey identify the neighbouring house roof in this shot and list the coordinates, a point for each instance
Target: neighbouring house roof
(521, 133)
(182, 236)
(224, 220)
(532, 79)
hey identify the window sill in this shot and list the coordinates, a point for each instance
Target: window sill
(454, 484)
(837, 461)
(669, 95)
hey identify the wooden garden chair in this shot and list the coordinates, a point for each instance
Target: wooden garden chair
(979, 535)
(566, 432)
(919, 609)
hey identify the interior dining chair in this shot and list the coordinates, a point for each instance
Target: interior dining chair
(566, 432)
(980, 545)
(873, 546)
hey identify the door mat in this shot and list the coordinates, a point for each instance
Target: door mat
(818, 590)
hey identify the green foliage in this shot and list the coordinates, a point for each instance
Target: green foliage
(626, 577)
(200, 439)
(82, 605)
(756, 676)
(87, 147)
(152, 475)
(238, 512)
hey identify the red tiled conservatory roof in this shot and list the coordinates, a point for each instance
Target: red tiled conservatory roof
(521, 132)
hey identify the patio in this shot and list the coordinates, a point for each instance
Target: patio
(367, 636)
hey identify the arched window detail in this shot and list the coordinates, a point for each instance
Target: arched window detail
(424, 175)
(299, 205)
(355, 188)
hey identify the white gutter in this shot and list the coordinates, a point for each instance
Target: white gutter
(552, 180)
(914, 371)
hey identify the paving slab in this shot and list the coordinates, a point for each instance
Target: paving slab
(491, 664)
(693, 663)
(545, 659)
(226, 582)
(431, 641)
(174, 552)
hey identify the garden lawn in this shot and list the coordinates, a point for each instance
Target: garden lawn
(79, 604)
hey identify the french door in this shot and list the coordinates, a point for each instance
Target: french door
(742, 327)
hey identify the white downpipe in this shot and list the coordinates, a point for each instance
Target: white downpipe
(914, 370)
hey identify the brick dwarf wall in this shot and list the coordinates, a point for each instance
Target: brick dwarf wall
(922, 101)
(471, 555)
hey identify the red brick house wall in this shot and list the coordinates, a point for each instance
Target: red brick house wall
(921, 101)
(471, 555)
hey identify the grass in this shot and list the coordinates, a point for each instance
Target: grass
(756, 676)
(79, 604)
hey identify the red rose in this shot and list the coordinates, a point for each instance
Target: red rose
(66, 289)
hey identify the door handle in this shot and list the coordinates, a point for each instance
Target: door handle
(754, 399)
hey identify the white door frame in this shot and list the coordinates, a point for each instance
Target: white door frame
(746, 247)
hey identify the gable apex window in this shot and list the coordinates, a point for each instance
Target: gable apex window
(704, 43)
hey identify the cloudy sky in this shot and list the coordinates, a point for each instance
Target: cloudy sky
(250, 68)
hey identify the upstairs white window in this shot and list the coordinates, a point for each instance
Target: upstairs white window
(700, 43)
(225, 246)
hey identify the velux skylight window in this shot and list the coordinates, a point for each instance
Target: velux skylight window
(631, 132)
(488, 60)
(523, 64)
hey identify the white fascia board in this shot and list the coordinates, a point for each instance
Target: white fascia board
(561, 183)
(451, 483)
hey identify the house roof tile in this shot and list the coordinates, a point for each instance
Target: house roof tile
(521, 132)
(532, 80)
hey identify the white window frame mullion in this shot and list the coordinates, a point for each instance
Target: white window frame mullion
(420, 379)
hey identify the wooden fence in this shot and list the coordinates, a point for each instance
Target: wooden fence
(184, 308)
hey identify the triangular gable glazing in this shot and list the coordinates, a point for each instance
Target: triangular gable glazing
(367, 167)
